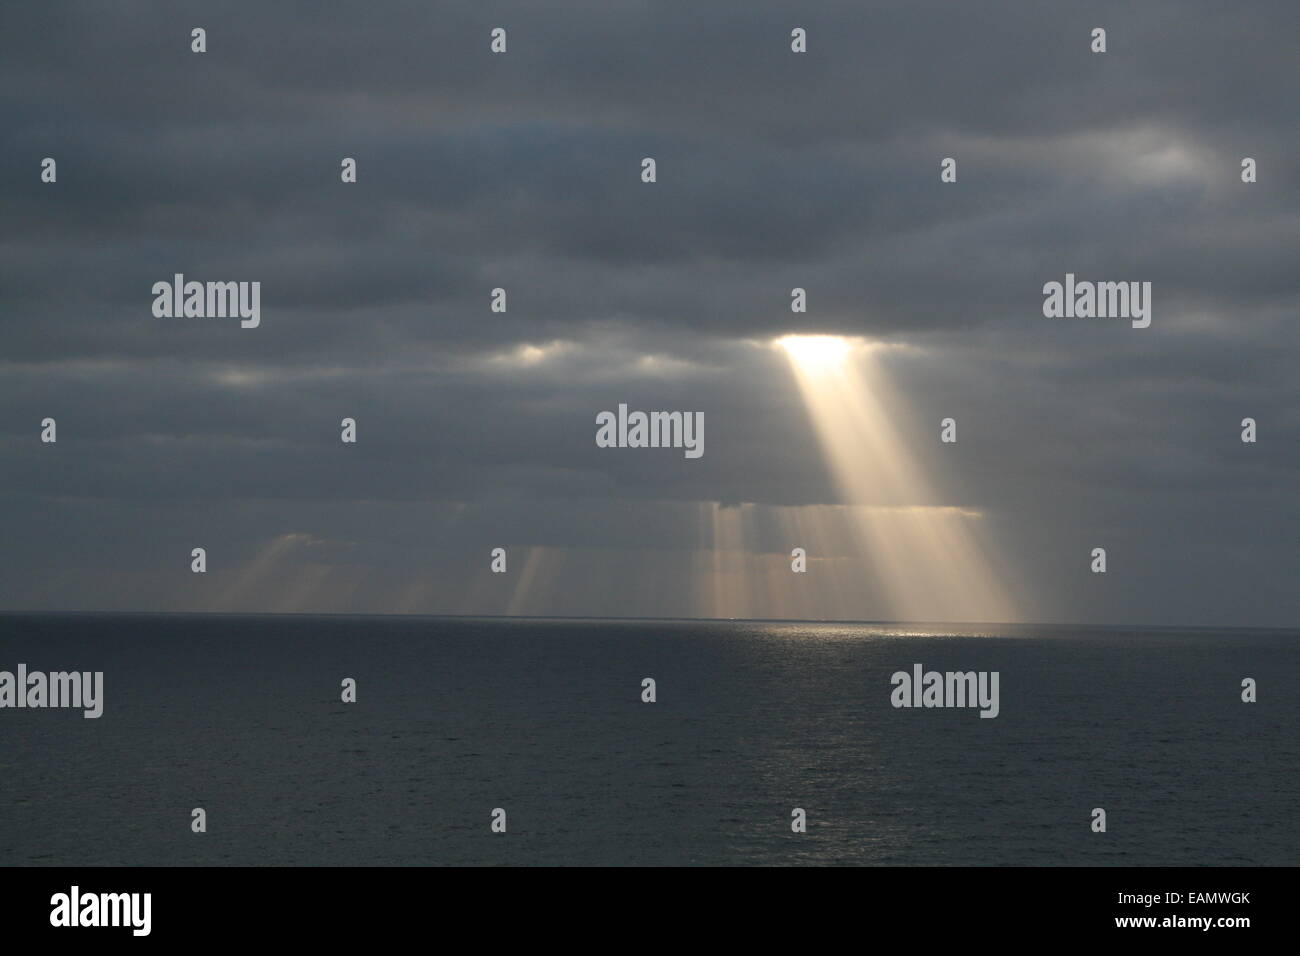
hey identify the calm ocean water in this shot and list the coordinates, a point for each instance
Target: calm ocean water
(242, 716)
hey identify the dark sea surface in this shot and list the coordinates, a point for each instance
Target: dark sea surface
(242, 716)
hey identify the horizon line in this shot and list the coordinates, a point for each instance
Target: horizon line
(683, 620)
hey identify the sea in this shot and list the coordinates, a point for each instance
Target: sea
(540, 727)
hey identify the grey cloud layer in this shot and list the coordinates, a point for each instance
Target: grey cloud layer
(521, 171)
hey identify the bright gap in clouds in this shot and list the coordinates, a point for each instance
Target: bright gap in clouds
(815, 351)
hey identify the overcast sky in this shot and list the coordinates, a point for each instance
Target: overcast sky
(522, 170)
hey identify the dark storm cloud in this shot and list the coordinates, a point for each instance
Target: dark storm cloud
(522, 171)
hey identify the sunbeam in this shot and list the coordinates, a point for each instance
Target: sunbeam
(932, 560)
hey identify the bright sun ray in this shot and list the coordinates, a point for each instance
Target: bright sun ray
(931, 560)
